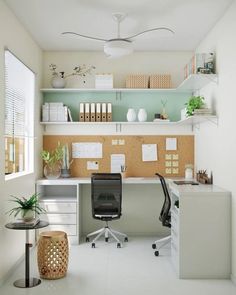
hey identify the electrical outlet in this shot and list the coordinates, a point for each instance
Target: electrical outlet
(168, 164)
(175, 170)
(175, 157)
(168, 157)
(168, 170)
(114, 142)
(175, 164)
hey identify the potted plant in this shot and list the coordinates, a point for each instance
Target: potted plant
(195, 102)
(52, 169)
(28, 208)
(66, 161)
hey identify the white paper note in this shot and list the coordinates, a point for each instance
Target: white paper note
(92, 165)
(86, 150)
(149, 152)
(171, 144)
(117, 160)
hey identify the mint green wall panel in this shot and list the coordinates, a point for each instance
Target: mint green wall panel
(151, 101)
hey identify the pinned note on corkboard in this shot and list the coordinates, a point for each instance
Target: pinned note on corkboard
(131, 147)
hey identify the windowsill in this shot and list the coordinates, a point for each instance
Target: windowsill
(17, 175)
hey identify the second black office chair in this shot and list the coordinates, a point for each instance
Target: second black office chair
(106, 197)
(164, 217)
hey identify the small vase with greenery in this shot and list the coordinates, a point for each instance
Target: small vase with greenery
(52, 169)
(66, 162)
(27, 207)
(195, 102)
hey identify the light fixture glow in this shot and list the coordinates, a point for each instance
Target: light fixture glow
(118, 47)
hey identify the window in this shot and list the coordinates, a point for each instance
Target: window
(19, 116)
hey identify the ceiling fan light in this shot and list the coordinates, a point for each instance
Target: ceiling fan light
(118, 48)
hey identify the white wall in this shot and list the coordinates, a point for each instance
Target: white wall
(137, 63)
(216, 145)
(14, 36)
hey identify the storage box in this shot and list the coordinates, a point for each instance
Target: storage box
(104, 81)
(160, 81)
(137, 81)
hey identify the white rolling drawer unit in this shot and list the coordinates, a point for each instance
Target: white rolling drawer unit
(61, 202)
(200, 231)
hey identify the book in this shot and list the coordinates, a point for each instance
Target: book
(20, 222)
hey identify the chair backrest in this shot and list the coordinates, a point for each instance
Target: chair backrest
(106, 195)
(165, 211)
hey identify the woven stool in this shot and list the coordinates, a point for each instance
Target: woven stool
(53, 254)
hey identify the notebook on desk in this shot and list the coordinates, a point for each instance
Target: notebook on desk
(182, 182)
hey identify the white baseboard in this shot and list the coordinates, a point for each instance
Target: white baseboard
(233, 279)
(11, 270)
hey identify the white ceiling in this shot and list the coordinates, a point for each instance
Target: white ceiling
(46, 19)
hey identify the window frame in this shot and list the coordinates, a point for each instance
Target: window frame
(29, 122)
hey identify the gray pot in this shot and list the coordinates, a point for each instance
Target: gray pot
(65, 173)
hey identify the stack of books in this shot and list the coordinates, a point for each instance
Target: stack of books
(20, 222)
(201, 112)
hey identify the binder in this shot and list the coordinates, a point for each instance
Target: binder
(98, 112)
(87, 112)
(92, 112)
(45, 112)
(109, 112)
(104, 112)
(81, 112)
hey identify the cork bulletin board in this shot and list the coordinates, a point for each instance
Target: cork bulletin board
(169, 163)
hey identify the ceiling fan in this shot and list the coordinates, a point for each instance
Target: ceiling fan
(119, 46)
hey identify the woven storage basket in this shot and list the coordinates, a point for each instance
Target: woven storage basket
(137, 81)
(160, 81)
(53, 255)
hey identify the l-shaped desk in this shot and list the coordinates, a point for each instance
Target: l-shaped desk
(201, 226)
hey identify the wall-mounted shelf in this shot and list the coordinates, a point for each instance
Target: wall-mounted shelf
(192, 83)
(197, 81)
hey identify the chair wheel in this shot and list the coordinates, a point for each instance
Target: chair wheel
(156, 253)
(118, 245)
(126, 239)
(93, 245)
(87, 239)
(106, 239)
(154, 246)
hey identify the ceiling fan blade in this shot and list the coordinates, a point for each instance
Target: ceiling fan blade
(150, 30)
(84, 36)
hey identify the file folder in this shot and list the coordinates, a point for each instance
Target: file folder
(98, 112)
(87, 112)
(81, 112)
(92, 112)
(109, 112)
(104, 112)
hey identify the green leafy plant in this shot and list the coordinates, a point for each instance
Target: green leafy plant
(195, 102)
(54, 156)
(24, 204)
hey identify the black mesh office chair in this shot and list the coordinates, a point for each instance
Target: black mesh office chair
(164, 217)
(106, 197)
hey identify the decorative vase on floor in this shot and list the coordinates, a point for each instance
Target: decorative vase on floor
(131, 115)
(52, 171)
(142, 115)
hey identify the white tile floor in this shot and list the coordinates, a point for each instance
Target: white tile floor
(107, 270)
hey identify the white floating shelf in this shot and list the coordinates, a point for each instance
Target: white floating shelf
(197, 81)
(197, 119)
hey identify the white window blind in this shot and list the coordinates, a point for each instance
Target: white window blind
(19, 115)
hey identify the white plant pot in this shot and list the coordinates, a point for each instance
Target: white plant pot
(27, 215)
(131, 115)
(142, 115)
(58, 82)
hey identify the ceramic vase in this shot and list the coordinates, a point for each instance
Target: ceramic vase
(142, 115)
(131, 115)
(58, 82)
(52, 171)
(27, 214)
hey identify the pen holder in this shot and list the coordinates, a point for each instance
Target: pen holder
(124, 174)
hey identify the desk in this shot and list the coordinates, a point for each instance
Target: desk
(67, 202)
(27, 282)
(201, 231)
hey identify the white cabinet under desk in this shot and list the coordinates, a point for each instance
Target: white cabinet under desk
(201, 231)
(61, 202)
